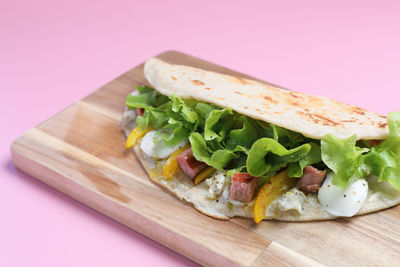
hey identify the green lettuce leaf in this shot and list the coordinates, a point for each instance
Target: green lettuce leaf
(394, 124)
(203, 110)
(147, 97)
(174, 132)
(214, 127)
(244, 136)
(144, 89)
(384, 159)
(267, 155)
(218, 159)
(295, 169)
(343, 157)
(141, 101)
(179, 105)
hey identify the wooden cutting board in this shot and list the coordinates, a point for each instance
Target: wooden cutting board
(80, 151)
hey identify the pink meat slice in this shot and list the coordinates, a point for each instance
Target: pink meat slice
(188, 163)
(242, 187)
(139, 111)
(311, 180)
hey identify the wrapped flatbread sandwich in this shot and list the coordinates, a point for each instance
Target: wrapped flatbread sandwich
(237, 147)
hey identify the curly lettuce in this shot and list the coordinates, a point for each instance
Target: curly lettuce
(343, 157)
(384, 159)
(295, 169)
(348, 161)
(267, 155)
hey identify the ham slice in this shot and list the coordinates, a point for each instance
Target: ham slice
(242, 187)
(311, 180)
(188, 163)
(139, 111)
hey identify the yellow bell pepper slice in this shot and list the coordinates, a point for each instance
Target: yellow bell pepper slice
(271, 190)
(171, 165)
(135, 135)
(204, 174)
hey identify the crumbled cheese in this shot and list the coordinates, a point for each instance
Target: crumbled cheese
(225, 193)
(291, 200)
(216, 185)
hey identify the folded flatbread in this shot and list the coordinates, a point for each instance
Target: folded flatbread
(319, 121)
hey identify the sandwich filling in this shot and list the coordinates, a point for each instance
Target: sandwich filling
(253, 167)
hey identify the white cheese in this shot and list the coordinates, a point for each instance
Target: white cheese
(216, 185)
(225, 193)
(154, 146)
(343, 202)
(291, 200)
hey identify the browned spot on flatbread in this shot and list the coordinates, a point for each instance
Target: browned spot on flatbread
(246, 107)
(238, 93)
(358, 110)
(318, 119)
(382, 124)
(242, 81)
(257, 109)
(383, 117)
(327, 121)
(296, 95)
(174, 78)
(270, 99)
(207, 88)
(197, 82)
(315, 101)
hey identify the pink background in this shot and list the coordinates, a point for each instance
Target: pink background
(52, 53)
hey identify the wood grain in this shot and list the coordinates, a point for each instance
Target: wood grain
(80, 151)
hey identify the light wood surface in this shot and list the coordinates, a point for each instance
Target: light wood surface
(80, 151)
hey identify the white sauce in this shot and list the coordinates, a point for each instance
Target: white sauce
(154, 146)
(343, 202)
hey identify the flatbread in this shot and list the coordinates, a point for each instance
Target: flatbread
(313, 116)
(220, 208)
